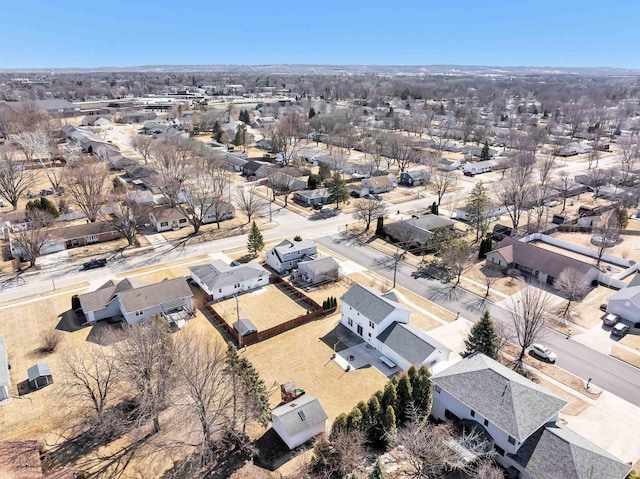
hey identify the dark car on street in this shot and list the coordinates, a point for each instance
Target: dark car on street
(94, 263)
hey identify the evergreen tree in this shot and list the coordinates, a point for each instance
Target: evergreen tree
(337, 189)
(434, 208)
(477, 210)
(355, 420)
(217, 132)
(483, 338)
(313, 181)
(312, 113)
(485, 154)
(422, 391)
(364, 411)
(389, 422)
(375, 418)
(324, 170)
(389, 397)
(380, 226)
(622, 215)
(244, 117)
(255, 241)
(339, 425)
(485, 246)
(378, 471)
(405, 397)
(42, 204)
(240, 137)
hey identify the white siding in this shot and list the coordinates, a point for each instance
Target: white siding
(112, 309)
(369, 333)
(625, 309)
(146, 314)
(294, 441)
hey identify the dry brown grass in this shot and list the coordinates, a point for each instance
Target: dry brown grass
(631, 340)
(626, 356)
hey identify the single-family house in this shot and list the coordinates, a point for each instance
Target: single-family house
(263, 122)
(378, 184)
(219, 280)
(494, 211)
(448, 165)
(542, 264)
(383, 322)
(318, 196)
(251, 167)
(5, 378)
(479, 167)
(166, 219)
(519, 417)
(415, 177)
(264, 144)
(39, 375)
(83, 235)
(140, 197)
(235, 161)
(136, 300)
(357, 169)
(286, 255)
(215, 210)
(316, 271)
(54, 105)
(626, 302)
(298, 421)
(416, 232)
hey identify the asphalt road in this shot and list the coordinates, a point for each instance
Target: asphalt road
(605, 371)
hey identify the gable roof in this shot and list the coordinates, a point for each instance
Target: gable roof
(312, 194)
(370, 303)
(85, 229)
(378, 181)
(167, 214)
(539, 259)
(630, 293)
(154, 294)
(38, 370)
(292, 421)
(320, 265)
(556, 451)
(514, 404)
(99, 298)
(409, 342)
(287, 246)
(218, 274)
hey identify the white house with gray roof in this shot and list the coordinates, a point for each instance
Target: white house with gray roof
(626, 302)
(382, 322)
(286, 255)
(315, 271)
(299, 421)
(219, 280)
(520, 417)
(137, 300)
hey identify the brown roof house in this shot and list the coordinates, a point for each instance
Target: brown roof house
(167, 219)
(378, 184)
(540, 263)
(136, 300)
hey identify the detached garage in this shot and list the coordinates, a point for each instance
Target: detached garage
(39, 376)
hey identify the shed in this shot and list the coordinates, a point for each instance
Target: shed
(300, 420)
(245, 327)
(39, 375)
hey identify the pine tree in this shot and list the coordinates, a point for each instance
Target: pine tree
(241, 133)
(485, 154)
(405, 397)
(355, 420)
(422, 391)
(483, 338)
(255, 241)
(434, 208)
(324, 170)
(339, 425)
(337, 189)
(312, 113)
(477, 210)
(389, 397)
(255, 395)
(375, 418)
(313, 181)
(364, 411)
(380, 226)
(389, 422)
(217, 132)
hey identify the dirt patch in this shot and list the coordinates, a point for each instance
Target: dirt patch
(631, 340)
(626, 356)
(575, 406)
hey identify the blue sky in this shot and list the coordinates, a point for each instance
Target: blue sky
(61, 33)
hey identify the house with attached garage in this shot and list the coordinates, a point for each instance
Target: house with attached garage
(417, 232)
(626, 303)
(219, 280)
(135, 300)
(167, 219)
(378, 184)
(286, 255)
(212, 210)
(383, 323)
(520, 418)
(542, 264)
(298, 421)
(479, 167)
(316, 271)
(319, 196)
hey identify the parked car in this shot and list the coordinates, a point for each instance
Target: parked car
(317, 207)
(620, 330)
(94, 263)
(611, 319)
(469, 173)
(543, 352)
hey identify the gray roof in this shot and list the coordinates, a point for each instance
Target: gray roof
(4, 364)
(538, 259)
(47, 105)
(555, 451)
(321, 265)
(244, 326)
(630, 293)
(410, 343)
(135, 295)
(291, 419)
(312, 194)
(287, 246)
(370, 303)
(37, 371)
(514, 404)
(218, 274)
(421, 228)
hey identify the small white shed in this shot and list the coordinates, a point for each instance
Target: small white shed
(300, 420)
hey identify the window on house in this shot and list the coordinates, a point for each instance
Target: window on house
(138, 313)
(486, 422)
(437, 388)
(183, 220)
(302, 415)
(473, 413)
(512, 440)
(219, 290)
(350, 321)
(372, 324)
(498, 449)
(164, 223)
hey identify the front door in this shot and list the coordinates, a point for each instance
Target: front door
(359, 330)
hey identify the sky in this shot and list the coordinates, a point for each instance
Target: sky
(90, 33)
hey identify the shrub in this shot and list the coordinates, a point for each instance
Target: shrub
(297, 238)
(603, 307)
(75, 302)
(50, 340)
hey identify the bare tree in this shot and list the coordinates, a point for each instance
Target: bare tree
(456, 257)
(203, 393)
(30, 242)
(629, 153)
(143, 144)
(402, 151)
(286, 137)
(369, 209)
(572, 284)
(528, 314)
(37, 144)
(88, 187)
(281, 184)
(515, 197)
(91, 377)
(488, 277)
(250, 202)
(441, 182)
(15, 179)
(146, 356)
(342, 456)
(126, 215)
(173, 167)
(607, 233)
